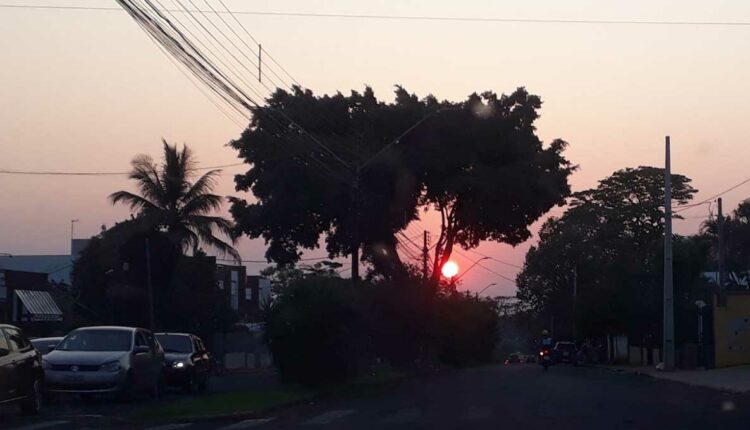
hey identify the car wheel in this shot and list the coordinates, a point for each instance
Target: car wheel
(32, 404)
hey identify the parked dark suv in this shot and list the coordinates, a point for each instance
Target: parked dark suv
(21, 374)
(187, 361)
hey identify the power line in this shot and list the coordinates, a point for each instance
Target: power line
(59, 173)
(421, 17)
(715, 196)
(478, 263)
(267, 262)
(496, 259)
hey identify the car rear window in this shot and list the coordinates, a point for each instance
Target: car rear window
(175, 343)
(96, 340)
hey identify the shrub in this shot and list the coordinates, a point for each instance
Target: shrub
(323, 329)
(314, 330)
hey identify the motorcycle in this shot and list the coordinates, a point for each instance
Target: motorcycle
(545, 358)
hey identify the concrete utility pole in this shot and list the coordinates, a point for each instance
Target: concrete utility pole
(150, 287)
(668, 345)
(721, 253)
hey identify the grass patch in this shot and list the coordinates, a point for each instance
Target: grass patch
(240, 402)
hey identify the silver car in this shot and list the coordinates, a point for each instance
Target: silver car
(96, 360)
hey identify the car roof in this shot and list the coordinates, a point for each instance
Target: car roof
(167, 333)
(46, 339)
(109, 327)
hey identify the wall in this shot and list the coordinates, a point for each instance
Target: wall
(732, 330)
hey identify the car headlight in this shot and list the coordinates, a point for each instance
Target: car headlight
(46, 365)
(112, 366)
(178, 365)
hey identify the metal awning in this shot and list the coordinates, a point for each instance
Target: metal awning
(39, 305)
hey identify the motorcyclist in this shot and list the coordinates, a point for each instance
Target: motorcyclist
(546, 341)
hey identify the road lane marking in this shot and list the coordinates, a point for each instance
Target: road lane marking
(247, 424)
(42, 425)
(171, 426)
(329, 417)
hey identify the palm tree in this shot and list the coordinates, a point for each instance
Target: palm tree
(170, 202)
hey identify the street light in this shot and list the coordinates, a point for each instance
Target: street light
(471, 267)
(485, 288)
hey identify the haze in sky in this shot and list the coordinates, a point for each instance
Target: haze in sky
(88, 90)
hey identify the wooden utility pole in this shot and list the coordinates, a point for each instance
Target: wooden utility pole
(668, 344)
(425, 255)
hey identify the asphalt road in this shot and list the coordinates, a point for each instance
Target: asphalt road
(510, 397)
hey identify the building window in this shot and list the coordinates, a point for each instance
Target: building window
(248, 293)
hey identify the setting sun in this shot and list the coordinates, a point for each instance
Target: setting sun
(450, 269)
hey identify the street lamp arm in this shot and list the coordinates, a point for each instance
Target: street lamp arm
(470, 267)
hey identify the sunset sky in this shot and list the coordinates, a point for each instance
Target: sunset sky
(87, 90)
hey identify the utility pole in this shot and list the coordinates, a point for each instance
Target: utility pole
(668, 344)
(355, 228)
(425, 255)
(721, 255)
(575, 303)
(150, 287)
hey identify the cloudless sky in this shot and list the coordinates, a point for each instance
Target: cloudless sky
(87, 90)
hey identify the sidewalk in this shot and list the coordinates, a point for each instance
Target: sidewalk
(733, 379)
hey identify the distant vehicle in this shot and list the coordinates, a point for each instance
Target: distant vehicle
(45, 344)
(514, 358)
(187, 360)
(565, 352)
(101, 360)
(21, 374)
(545, 357)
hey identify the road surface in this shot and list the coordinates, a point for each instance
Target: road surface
(508, 397)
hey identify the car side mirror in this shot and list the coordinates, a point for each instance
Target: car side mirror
(50, 348)
(141, 349)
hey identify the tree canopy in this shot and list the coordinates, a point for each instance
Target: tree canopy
(168, 199)
(357, 170)
(611, 238)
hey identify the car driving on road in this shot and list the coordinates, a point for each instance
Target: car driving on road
(100, 360)
(565, 352)
(187, 361)
(21, 375)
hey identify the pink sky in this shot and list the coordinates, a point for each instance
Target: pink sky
(86, 91)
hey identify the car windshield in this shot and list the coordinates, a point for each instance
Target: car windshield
(44, 344)
(96, 340)
(175, 343)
